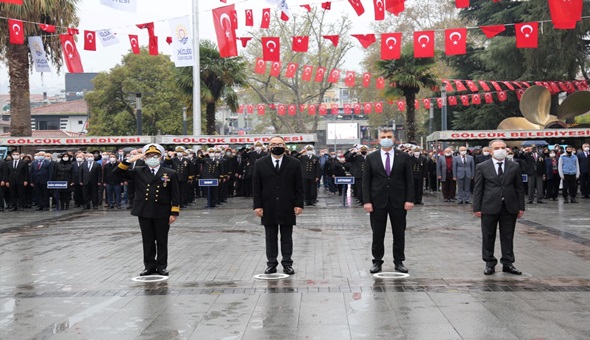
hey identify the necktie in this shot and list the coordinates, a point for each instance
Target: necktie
(500, 172)
(387, 164)
(277, 165)
(463, 159)
(15, 164)
(39, 166)
(154, 172)
(89, 166)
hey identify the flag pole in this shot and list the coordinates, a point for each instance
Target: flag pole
(196, 72)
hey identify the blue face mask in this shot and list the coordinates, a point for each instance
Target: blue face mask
(152, 162)
(386, 142)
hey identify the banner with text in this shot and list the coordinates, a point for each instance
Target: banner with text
(182, 42)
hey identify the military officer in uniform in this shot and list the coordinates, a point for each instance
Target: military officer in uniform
(211, 170)
(184, 169)
(252, 156)
(157, 205)
(310, 166)
(356, 159)
(419, 170)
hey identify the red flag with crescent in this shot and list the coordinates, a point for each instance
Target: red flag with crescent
(226, 35)
(17, 31)
(260, 67)
(306, 74)
(134, 43)
(350, 78)
(71, 56)
(527, 34)
(391, 46)
(290, 70)
(424, 44)
(90, 40)
(271, 49)
(456, 41)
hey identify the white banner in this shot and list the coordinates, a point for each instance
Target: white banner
(233, 139)
(182, 42)
(38, 53)
(107, 38)
(122, 5)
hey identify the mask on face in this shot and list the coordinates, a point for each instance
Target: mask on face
(586, 149)
(417, 154)
(79, 159)
(217, 154)
(65, 159)
(363, 153)
(463, 153)
(179, 154)
(277, 150)
(228, 154)
(39, 158)
(332, 156)
(49, 159)
(485, 153)
(152, 162)
(386, 143)
(90, 159)
(105, 157)
(500, 154)
(448, 154)
(510, 157)
(113, 159)
(120, 153)
(189, 156)
(552, 154)
(15, 157)
(309, 153)
(257, 149)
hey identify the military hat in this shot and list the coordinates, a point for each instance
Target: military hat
(153, 148)
(417, 148)
(258, 144)
(180, 149)
(309, 147)
(210, 150)
(363, 147)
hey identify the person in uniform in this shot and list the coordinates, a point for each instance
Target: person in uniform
(222, 188)
(356, 159)
(310, 167)
(184, 169)
(18, 181)
(419, 171)
(3, 179)
(252, 156)
(157, 205)
(278, 199)
(211, 170)
(41, 172)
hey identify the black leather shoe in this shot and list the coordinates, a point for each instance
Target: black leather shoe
(39, 209)
(511, 269)
(489, 271)
(163, 272)
(288, 270)
(530, 202)
(375, 269)
(540, 202)
(13, 209)
(270, 270)
(573, 200)
(399, 267)
(147, 272)
(565, 201)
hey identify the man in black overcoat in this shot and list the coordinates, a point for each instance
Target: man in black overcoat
(278, 199)
(18, 180)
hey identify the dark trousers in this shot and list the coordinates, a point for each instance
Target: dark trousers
(154, 234)
(584, 184)
(570, 185)
(433, 183)
(272, 244)
(65, 196)
(248, 187)
(489, 224)
(230, 187)
(42, 194)
(2, 198)
(91, 195)
(101, 191)
(553, 186)
(114, 194)
(183, 187)
(378, 219)
(310, 190)
(448, 188)
(418, 189)
(78, 195)
(535, 182)
(358, 188)
(210, 193)
(17, 193)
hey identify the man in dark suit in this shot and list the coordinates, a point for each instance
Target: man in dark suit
(3, 179)
(90, 180)
(498, 199)
(77, 187)
(463, 171)
(278, 199)
(310, 167)
(157, 205)
(42, 171)
(18, 180)
(388, 190)
(584, 162)
(534, 167)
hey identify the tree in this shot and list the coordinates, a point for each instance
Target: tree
(219, 77)
(408, 75)
(61, 13)
(112, 103)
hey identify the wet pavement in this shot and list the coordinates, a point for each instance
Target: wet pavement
(68, 275)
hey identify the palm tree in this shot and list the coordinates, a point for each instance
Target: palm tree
(61, 13)
(409, 75)
(219, 77)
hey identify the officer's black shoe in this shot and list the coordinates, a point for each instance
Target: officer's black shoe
(289, 270)
(147, 272)
(399, 267)
(573, 200)
(489, 271)
(270, 270)
(511, 269)
(163, 272)
(375, 269)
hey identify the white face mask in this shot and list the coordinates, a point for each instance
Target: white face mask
(65, 159)
(228, 153)
(49, 159)
(90, 159)
(586, 149)
(500, 154)
(509, 157)
(309, 153)
(105, 157)
(257, 148)
(217, 154)
(485, 153)
(15, 157)
(552, 155)
(79, 159)
(417, 154)
(448, 154)
(463, 153)
(113, 160)
(179, 154)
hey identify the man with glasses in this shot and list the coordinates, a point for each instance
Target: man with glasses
(278, 198)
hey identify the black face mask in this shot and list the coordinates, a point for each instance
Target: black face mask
(277, 150)
(363, 152)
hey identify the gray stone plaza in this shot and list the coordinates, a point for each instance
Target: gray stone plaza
(68, 275)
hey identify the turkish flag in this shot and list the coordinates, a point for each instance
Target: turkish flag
(265, 18)
(365, 39)
(380, 83)
(366, 79)
(391, 46)
(452, 100)
(379, 6)
(14, 2)
(350, 78)
(476, 98)
(71, 56)
(456, 41)
(426, 102)
(395, 6)
(282, 109)
(90, 40)
(153, 45)
(301, 107)
(570, 87)
(169, 40)
(292, 110)
(333, 38)
(250, 109)
(448, 87)
(496, 86)
(307, 7)
(424, 44)
(459, 85)
(73, 31)
(517, 84)
(488, 98)
(148, 25)
(47, 28)
(17, 31)
(319, 74)
(483, 85)
(241, 108)
(554, 88)
(367, 108)
(271, 48)
(378, 107)
(291, 70)
(334, 76)
(275, 69)
(260, 108)
(306, 74)
(492, 31)
(401, 105)
(326, 5)
(465, 100)
(357, 6)
(134, 43)
(565, 13)
(416, 104)
(471, 85)
(226, 35)
(334, 109)
(439, 102)
(501, 96)
(311, 109)
(300, 43)
(508, 85)
(527, 34)
(323, 109)
(462, 3)
(519, 94)
(347, 109)
(249, 18)
(260, 67)
(234, 20)
(244, 40)
(525, 84)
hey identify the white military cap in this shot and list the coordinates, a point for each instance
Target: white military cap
(153, 148)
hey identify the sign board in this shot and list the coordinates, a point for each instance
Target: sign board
(208, 182)
(74, 141)
(235, 139)
(57, 184)
(342, 133)
(451, 135)
(344, 180)
(525, 178)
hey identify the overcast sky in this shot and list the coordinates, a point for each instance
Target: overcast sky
(94, 16)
